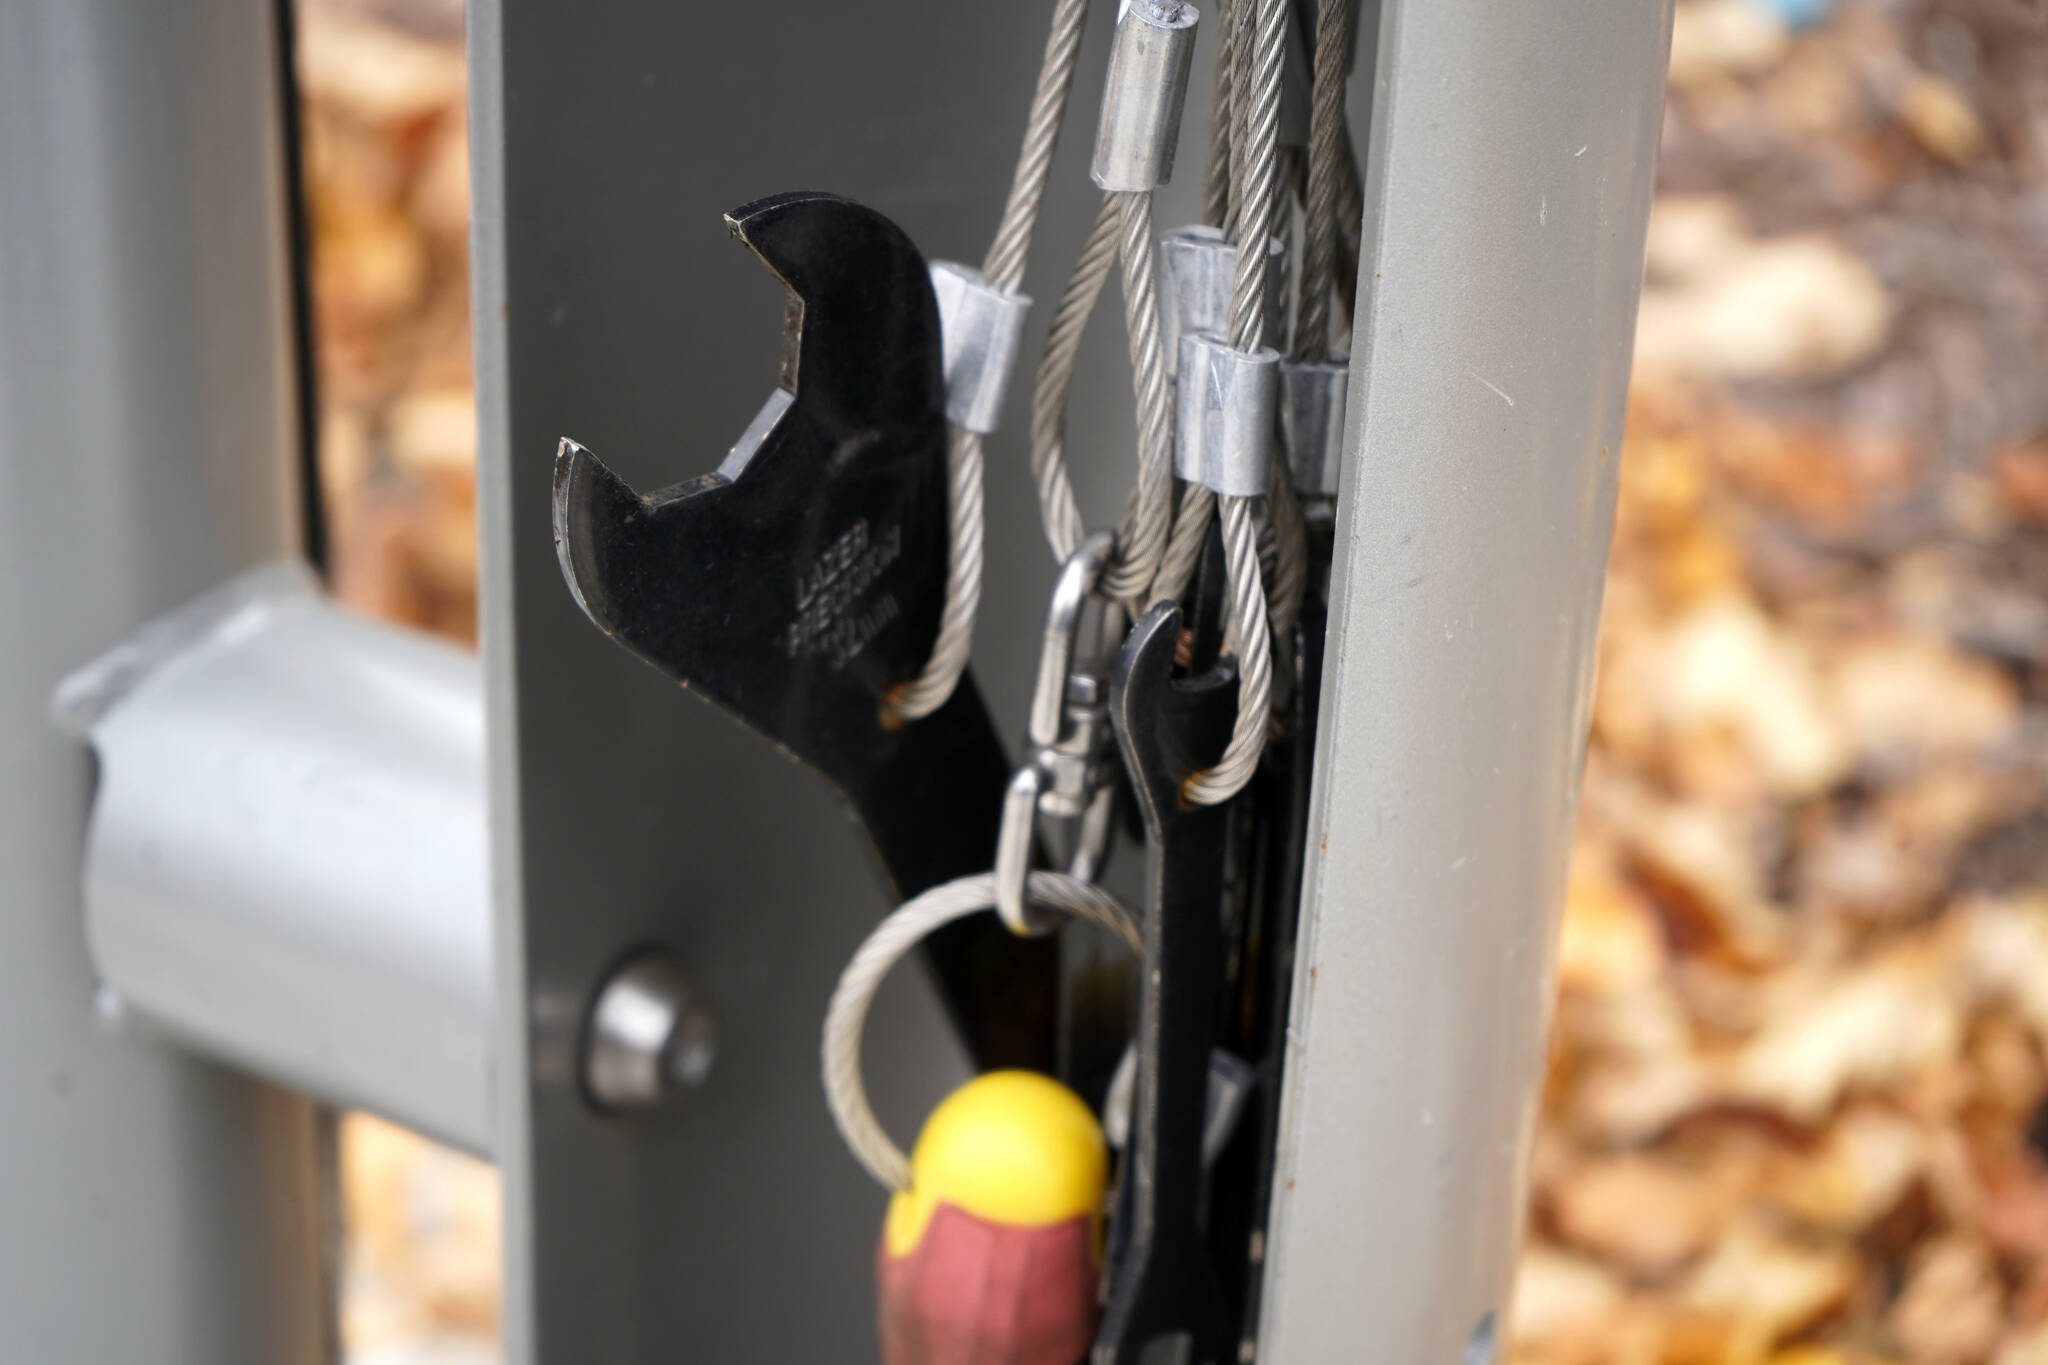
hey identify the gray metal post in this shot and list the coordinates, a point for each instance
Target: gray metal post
(153, 1207)
(1508, 184)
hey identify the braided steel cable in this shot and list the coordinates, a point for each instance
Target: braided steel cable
(954, 643)
(1148, 514)
(1283, 552)
(1057, 509)
(1326, 148)
(965, 457)
(1243, 21)
(1259, 113)
(1184, 544)
(1235, 61)
(1004, 265)
(1122, 235)
(1269, 547)
(1244, 634)
(1216, 169)
(1262, 38)
(1327, 158)
(1319, 271)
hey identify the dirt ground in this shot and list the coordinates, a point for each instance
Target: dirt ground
(1795, 1106)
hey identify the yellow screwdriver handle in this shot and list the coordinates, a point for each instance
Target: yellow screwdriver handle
(992, 1256)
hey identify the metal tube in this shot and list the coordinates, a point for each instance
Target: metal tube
(1143, 95)
(1198, 275)
(286, 865)
(157, 1207)
(1224, 426)
(1198, 268)
(1508, 185)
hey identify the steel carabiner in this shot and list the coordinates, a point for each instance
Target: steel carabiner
(1069, 769)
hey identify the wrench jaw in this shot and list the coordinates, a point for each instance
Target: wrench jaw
(594, 513)
(1169, 727)
(802, 579)
(862, 329)
(790, 597)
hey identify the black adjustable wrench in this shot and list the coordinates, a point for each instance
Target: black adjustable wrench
(1163, 1304)
(798, 583)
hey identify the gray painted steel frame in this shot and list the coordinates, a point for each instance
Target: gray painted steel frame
(153, 1206)
(1508, 186)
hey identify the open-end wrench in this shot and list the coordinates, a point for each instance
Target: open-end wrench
(1163, 1304)
(800, 581)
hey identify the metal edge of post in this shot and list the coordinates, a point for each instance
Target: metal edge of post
(1508, 179)
(512, 1148)
(147, 393)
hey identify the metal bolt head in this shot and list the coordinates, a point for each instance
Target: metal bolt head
(649, 1040)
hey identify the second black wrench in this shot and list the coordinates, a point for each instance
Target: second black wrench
(1163, 1303)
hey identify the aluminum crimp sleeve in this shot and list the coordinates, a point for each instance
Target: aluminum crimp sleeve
(1225, 410)
(1312, 422)
(1143, 94)
(1198, 276)
(981, 333)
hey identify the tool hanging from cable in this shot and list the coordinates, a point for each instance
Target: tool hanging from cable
(795, 586)
(1227, 424)
(823, 586)
(1208, 387)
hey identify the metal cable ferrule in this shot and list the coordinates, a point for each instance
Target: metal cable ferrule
(1143, 95)
(981, 329)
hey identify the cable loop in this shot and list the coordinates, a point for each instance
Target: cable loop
(888, 944)
(1246, 635)
(1003, 269)
(1058, 511)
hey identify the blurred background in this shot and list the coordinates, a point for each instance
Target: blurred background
(1797, 1110)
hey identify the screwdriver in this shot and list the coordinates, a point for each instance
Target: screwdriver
(993, 1254)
